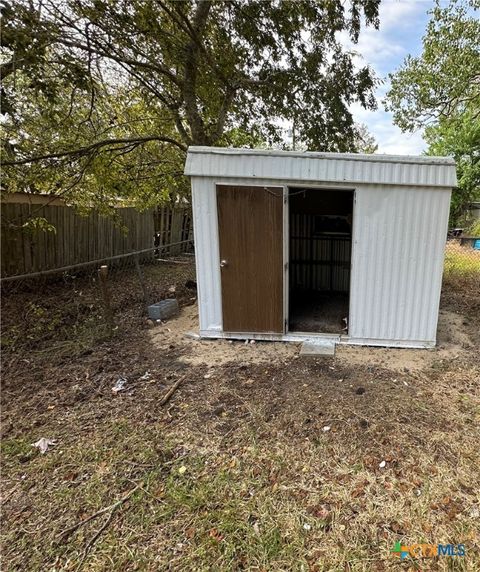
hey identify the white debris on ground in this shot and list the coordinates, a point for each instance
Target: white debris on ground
(119, 385)
(43, 444)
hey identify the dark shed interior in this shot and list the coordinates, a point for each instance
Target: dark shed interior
(320, 257)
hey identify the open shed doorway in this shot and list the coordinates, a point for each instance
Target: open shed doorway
(320, 226)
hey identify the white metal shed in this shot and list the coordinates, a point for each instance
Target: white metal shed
(294, 246)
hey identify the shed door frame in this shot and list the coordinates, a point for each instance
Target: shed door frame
(286, 242)
(286, 254)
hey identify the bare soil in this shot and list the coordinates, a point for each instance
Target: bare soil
(260, 460)
(453, 342)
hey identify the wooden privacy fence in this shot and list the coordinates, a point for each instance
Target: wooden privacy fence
(78, 239)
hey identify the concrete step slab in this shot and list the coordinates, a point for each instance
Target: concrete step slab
(317, 348)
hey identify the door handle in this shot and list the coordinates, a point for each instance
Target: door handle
(223, 263)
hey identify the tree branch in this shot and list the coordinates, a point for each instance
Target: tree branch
(93, 147)
(95, 48)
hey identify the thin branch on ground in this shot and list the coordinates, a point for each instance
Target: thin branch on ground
(94, 539)
(171, 391)
(113, 507)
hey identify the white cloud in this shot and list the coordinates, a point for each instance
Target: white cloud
(389, 137)
(384, 50)
(396, 13)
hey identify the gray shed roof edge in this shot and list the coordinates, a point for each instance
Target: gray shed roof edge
(412, 159)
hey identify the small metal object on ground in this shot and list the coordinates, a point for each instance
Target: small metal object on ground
(163, 310)
(317, 349)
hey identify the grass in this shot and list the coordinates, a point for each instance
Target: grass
(262, 503)
(275, 494)
(461, 262)
(237, 472)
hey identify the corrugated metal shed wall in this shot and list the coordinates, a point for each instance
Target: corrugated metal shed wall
(332, 251)
(399, 239)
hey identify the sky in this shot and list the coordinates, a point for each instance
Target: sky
(402, 25)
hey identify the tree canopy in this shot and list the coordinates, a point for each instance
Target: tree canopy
(110, 93)
(440, 91)
(445, 78)
(460, 138)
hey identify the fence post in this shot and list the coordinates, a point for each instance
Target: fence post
(146, 301)
(106, 297)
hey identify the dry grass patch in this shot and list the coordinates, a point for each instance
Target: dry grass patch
(239, 471)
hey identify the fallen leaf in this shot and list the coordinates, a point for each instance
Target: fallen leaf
(452, 513)
(190, 532)
(383, 464)
(213, 533)
(427, 527)
(319, 512)
(182, 469)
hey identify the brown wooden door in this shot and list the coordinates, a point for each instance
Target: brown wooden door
(250, 225)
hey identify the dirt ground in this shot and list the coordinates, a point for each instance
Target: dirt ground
(211, 353)
(260, 460)
(453, 342)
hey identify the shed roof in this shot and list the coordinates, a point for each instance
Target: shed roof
(350, 168)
